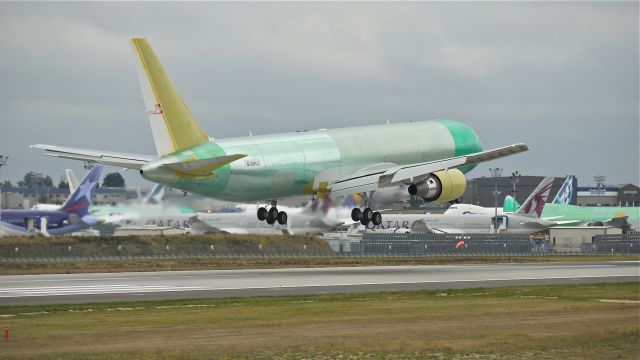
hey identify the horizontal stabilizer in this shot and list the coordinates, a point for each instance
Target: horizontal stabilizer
(129, 161)
(202, 167)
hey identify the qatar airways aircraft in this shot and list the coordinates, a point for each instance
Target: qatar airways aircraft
(429, 156)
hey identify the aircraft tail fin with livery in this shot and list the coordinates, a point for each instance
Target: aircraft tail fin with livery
(565, 194)
(79, 201)
(173, 126)
(534, 204)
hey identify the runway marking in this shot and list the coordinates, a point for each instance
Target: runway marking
(319, 271)
(620, 301)
(117, 289)
(86, 290)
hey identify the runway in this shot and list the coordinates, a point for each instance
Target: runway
(84, 288)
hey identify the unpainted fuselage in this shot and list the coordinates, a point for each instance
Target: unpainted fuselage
(305, 162)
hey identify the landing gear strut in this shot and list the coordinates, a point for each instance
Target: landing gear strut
(272, 215)
(367, 215)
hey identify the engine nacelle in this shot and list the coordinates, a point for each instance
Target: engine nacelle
(440, 186)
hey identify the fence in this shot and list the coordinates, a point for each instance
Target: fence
(614, 244)
(448, 244)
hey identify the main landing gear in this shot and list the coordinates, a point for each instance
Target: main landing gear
(272, 215)
(367, 215)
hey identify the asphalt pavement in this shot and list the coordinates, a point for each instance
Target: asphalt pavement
(102, 287)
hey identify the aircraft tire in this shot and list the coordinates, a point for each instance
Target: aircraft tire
(356, 214)
(273, 213)
(282, 218)
(270, 220)
(367, 215)
(376, 218)
(262, 214)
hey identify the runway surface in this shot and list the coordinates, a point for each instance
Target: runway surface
(81, 288)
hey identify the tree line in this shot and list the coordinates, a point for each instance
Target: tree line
(36, 179)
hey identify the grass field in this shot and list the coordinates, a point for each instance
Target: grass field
(72, 266)
(536, 322)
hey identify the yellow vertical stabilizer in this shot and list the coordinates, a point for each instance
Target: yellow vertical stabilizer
(172, 124)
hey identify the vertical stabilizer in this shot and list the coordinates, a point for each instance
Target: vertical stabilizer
(79, 201)
(71, 180)
(534, 204)
(565, 194)
(172, 124)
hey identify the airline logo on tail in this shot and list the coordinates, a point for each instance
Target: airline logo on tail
(80, 200)
(534, 204)
(565, 194)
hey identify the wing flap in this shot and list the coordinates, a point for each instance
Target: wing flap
(129, 161)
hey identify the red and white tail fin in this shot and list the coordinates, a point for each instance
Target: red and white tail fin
(534, 204)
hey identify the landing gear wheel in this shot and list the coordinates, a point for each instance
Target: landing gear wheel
(376, 218)
(270, 220)
(262, 214)
(282, 218)
(273, 213)
(356, 214)
(367, 214)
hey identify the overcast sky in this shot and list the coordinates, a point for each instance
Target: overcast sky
(559, 76)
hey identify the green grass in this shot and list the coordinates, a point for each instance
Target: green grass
(96, 266)
(520, 322)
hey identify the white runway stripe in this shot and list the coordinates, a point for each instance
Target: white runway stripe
(101, 289)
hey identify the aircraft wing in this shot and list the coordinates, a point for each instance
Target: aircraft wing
(129, 161)
(386, 174)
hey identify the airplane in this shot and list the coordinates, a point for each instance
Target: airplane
(72, 216)
(316, 217)
(431, 157)
(563, 213)
(525, 220)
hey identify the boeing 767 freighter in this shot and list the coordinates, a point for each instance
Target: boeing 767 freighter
(429, 156)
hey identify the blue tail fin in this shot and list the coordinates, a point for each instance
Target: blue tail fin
(79, 201)
(565, 194)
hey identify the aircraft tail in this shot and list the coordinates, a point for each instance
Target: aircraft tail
(172, 124)
(534, 204)
(155, 195)
(79, 201)
(510, 204)
(565, 194)
(71, 180)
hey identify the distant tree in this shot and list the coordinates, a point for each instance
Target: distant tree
(33, 178)
(113, 180)
(6, 184)
(63, 185)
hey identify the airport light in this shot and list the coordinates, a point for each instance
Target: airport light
(515, 177)
(496, 173)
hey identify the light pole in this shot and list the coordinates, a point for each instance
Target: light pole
(496, 173)
(3, 162)
(515, 177)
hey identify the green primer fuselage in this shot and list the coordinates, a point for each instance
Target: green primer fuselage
(588, 214)
(291, 164)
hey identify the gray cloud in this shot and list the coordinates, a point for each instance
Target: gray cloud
(562, 77)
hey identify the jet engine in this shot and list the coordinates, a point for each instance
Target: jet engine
(441, 186)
